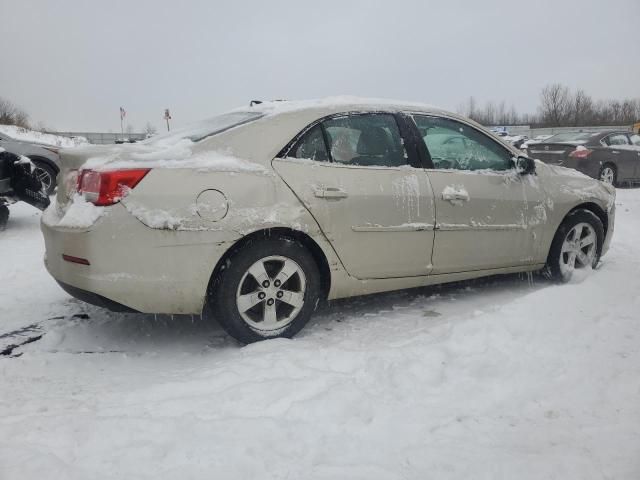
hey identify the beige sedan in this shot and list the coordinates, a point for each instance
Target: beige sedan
(256, 216)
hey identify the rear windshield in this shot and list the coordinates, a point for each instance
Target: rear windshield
(206, 128)
(569, 137)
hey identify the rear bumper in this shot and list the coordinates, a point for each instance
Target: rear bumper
(133, 267)
(95, 299)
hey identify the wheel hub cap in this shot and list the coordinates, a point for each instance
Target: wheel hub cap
(607, 175)
(578, 249)
(271, 293)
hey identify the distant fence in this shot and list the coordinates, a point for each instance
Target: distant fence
(103, 138)
(533, 132)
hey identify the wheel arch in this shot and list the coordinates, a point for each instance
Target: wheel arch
(595, 209)
(48, 161)
(282, 232)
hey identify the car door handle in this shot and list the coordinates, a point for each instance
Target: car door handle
(615, 151)
(455, 196)
(330, 192)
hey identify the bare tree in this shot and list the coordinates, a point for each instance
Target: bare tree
(10, 114)
(581, 108)
(555, 104)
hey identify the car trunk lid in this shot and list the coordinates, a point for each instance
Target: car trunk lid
(552, 153)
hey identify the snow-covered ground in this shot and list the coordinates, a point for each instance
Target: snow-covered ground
(26, 135)
(509, 378)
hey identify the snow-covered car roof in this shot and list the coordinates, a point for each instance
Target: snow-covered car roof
(252, 133)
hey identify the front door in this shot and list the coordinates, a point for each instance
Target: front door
(353, 175)
(487, 215)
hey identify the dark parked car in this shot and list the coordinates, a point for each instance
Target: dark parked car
(19, 182)
(45, 158)
(613, 156)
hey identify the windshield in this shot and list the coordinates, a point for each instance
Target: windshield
(206, 128)
(569, 137)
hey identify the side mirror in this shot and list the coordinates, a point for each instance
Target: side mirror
(525, 165)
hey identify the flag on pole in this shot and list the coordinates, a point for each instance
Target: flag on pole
(123, 113)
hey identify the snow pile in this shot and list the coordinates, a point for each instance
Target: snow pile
(158, 218)
(333, 102)
(511, 377)
(78, 214)
(456, 194)
(173, 155)
(25, 135)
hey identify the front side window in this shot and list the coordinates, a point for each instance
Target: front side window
(617, 139)
(454, 145)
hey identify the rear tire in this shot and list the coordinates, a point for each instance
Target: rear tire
(4, 217)
(608, 174)
(47, 176)
(268, 289)
(577, 244)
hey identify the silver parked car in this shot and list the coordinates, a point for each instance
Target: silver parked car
(46, 159)
(257, 215)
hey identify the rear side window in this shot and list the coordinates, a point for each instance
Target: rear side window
(312, 146)
(454, 145)
(617, 139)
(207, 128)
(368, 139)
(635, 139)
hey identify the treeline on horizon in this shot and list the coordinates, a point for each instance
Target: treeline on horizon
(558, 106)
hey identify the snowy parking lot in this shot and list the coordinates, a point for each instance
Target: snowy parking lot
(510, 377)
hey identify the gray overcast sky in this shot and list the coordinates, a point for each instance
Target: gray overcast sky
(72, 63)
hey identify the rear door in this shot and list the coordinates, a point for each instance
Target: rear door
(369, 195)
(487, 215)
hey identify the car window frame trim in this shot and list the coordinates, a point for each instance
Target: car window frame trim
(411, 114)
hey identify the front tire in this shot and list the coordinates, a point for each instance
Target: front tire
(4, 217)
(576, 245)
(268, 289)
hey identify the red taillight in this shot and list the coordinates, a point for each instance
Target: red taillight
(580, 152)
(108, 187)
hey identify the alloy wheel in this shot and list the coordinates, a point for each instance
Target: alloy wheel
(607, 175)
(578, 249)
(44, 177)
(271, 293)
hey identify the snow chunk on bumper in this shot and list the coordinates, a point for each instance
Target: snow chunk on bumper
(79, 214)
